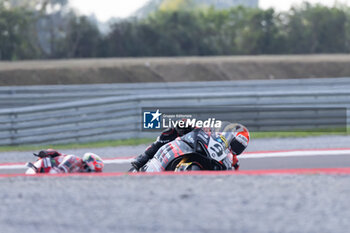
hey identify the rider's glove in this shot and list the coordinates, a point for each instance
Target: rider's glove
(185, 129)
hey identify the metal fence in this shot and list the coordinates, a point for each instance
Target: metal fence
(262, 105)
(20, 96)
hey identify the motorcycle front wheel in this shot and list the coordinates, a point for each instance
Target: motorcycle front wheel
(192, 166)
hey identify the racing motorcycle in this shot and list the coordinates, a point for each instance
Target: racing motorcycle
(197, 150)
(50, 161)
(43, 164)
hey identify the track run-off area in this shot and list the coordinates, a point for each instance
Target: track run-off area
(304, 161)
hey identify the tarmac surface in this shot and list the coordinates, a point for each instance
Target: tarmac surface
(185, 203)
(274, 144)
(247, 164)
(303, 203)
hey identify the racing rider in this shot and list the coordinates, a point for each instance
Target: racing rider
(52, 161)
(237, 145)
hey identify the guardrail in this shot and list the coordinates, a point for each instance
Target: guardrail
(20, 96)
(120, 117)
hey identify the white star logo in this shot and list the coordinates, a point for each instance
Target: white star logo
(156, 115)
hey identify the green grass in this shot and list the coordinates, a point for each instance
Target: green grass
(134, 142)
(304, 133)
(296, 134)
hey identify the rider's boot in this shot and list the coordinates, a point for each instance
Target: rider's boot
(140, 161)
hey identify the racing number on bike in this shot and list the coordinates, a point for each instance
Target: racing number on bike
(216, 150)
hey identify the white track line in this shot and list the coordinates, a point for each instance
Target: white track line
(294, 154)
(118, 161)
(7, 167)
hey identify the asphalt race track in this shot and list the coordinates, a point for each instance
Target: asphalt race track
(219, 202)
(297, 203)
(304, 159)
(331, 161)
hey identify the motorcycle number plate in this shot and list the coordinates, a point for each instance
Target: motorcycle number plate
(216, 150)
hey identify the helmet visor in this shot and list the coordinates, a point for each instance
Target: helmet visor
(237, 147)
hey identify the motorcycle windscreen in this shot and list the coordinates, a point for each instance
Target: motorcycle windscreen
(166, 154)
(225, 132)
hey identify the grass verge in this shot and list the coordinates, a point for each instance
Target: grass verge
(127, 142)
(297, 134)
